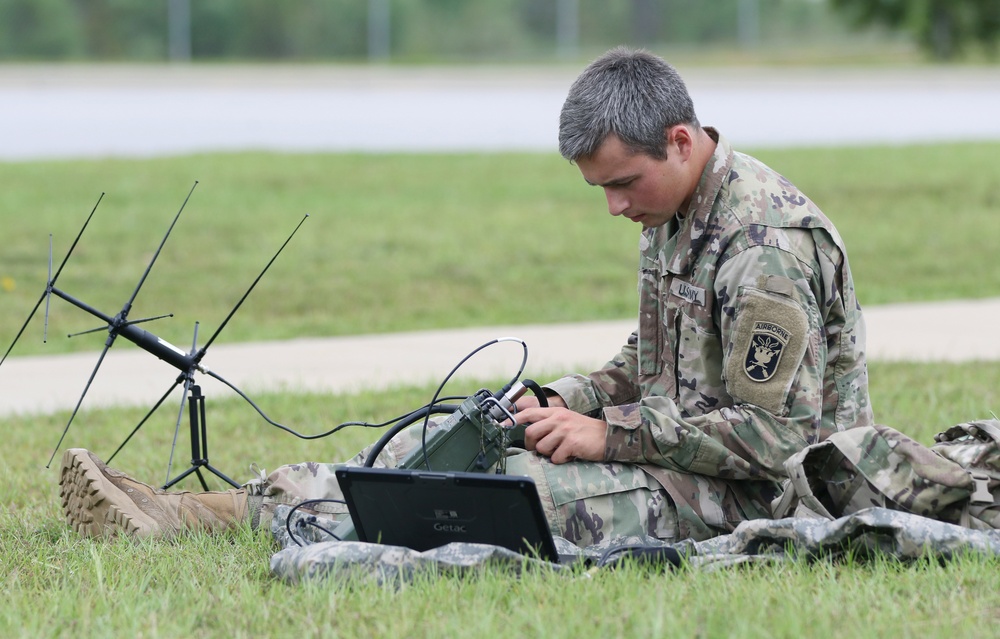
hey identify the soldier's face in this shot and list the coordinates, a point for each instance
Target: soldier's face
(638, 186)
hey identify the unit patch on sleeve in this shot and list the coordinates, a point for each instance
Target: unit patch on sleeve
(767, 343)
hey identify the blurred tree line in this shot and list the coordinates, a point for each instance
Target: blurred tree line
(945, 28)
(419, 30)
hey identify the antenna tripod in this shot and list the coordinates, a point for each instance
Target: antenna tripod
(199, 443)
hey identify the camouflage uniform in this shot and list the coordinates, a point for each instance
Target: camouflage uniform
(750, 347)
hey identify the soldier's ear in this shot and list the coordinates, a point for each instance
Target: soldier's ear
(679, 139)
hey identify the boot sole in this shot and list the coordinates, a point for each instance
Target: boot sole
(93, 506)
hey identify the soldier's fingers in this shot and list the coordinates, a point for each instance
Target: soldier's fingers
(562, 453)
(532, 415)
(545, 436)
(535, 432)
(523, 415)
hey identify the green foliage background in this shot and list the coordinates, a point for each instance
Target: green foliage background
(945, 28)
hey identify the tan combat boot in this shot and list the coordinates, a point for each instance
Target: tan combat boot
(100, 501)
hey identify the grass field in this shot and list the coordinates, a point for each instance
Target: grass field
(59, 585)
(402, 242)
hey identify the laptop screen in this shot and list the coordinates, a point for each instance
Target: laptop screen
(424, 510)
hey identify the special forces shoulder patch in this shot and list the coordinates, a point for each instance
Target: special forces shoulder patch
(767, 344)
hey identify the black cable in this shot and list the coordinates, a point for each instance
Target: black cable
(666, 557)
(306, 522)
(507, 386)
(311, 521)
(432, 407)
(402, 423)
(448, 408)
(536, 390)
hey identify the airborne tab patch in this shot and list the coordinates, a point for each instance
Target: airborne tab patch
(767, 343)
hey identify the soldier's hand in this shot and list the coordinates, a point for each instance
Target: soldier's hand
(563, 435)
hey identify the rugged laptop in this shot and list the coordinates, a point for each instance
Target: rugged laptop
(423, 510)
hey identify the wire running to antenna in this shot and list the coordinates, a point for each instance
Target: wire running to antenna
(416, 414)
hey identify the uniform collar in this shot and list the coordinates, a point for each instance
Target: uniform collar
(694, 225)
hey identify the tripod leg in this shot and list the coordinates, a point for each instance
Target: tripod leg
(221, 476)
(196, 469)
(199, 443)
(193, 469)
(201, 478)
(196, 404)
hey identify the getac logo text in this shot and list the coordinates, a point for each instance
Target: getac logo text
(452, 528)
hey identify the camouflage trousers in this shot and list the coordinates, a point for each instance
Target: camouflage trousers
(585, 502)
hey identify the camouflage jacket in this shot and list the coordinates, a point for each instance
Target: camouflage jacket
(750, 344)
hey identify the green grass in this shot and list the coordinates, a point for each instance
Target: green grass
(57, 584)
(403, 242)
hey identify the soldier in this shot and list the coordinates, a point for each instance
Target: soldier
(750, 346)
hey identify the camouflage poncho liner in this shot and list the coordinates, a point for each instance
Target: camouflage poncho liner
(874, 530)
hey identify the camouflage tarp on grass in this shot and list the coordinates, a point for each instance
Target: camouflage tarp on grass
(873, 531)
(867, 532)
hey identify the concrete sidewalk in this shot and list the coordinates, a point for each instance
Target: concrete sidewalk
(948, 331)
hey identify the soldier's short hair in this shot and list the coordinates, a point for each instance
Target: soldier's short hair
(632, 94)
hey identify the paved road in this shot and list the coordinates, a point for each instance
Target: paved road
(88, 111)
(954, 331)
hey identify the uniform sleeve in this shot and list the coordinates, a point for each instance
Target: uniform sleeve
(773, 338)
(612, 385)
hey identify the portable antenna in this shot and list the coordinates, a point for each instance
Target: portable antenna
(186, 362)
(196, 405)
(120, 325)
